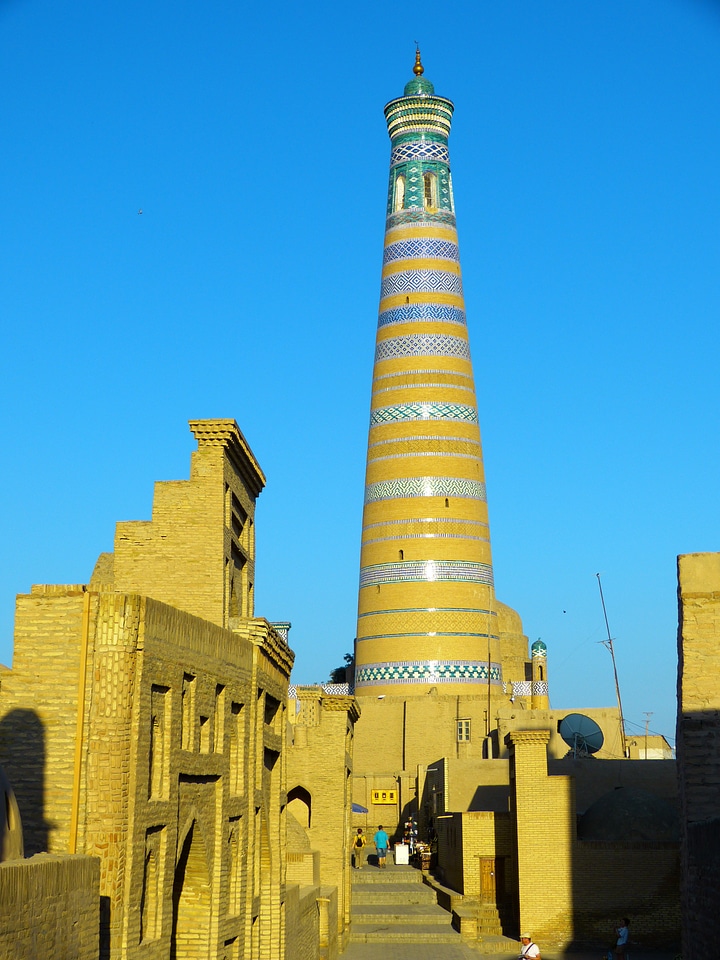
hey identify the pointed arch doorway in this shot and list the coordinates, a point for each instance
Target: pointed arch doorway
(191, 900)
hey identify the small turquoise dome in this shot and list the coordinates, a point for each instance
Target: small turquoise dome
(538, 649)
(419, 87)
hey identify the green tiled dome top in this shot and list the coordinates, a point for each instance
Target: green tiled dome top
(418, 87)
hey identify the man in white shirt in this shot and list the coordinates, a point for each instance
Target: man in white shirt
(623, 936)
(530, 951)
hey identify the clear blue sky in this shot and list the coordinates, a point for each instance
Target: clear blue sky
(585, 156)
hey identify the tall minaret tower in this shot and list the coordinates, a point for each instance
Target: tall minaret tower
(427, 615)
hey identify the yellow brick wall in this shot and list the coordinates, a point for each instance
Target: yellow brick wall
(198, 551)
(320, 761)
(39, 713)
(465, 837)
(138, 649)
(698, 746)
(49, 908)
(544, 812)
(312, 921)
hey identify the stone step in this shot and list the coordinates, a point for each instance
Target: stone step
(400, 893)
(406, 913)
(402, 933)
(497, 944)
(392, 875)
(488, 922)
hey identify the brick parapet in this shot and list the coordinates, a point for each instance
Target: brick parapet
(260, 632)
(227, 435)
(49, 907)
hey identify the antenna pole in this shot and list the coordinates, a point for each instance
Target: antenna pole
(648, 714)
(487, 725)
(608, 644)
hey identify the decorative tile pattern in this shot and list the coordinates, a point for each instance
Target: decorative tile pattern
(424, 373)
(418, 115)
(420, 386)
(282, 628)
(442, 622)
(428, 671)
(422, 345)
(426, 453)
(430, 410)
(453, 520)
(428, 248)
(421, 313)
(539, 688)
(427, 529)
(419, 218)
(332, 689)
(431, 633)
(421, 281)
(521, 688)
(408, 448)
(424, 487)
(403, 610)
(419, 150)
(426, 571)
(427, 536)
(460, 442)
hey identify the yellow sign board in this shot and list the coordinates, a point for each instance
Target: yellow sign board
(384, 796)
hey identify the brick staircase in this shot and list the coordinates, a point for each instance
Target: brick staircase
(488, 920)
(395, 906)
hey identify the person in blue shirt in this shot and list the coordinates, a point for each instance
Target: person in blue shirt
(381, 845)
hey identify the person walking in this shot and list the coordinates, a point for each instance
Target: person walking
(530, 950)
(359, 848)
(381, 845)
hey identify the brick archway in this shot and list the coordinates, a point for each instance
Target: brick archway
(191, 900)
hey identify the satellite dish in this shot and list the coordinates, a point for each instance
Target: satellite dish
(581, 734)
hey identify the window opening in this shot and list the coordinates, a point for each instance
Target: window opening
(399, 193)
(429, 187)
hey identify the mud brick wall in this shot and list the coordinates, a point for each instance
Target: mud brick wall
(49, 908)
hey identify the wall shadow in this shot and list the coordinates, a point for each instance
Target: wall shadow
(22, 756)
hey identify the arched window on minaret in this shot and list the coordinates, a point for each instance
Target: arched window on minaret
(399, 193)
(430, 182)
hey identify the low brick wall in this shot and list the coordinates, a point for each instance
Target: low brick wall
(308, 934)
(49, 908)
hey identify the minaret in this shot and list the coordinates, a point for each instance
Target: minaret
(539, 695)
(426, 612)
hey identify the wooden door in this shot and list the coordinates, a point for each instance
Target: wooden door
(487, 879)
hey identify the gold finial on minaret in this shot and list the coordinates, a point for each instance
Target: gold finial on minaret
(418, 69)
